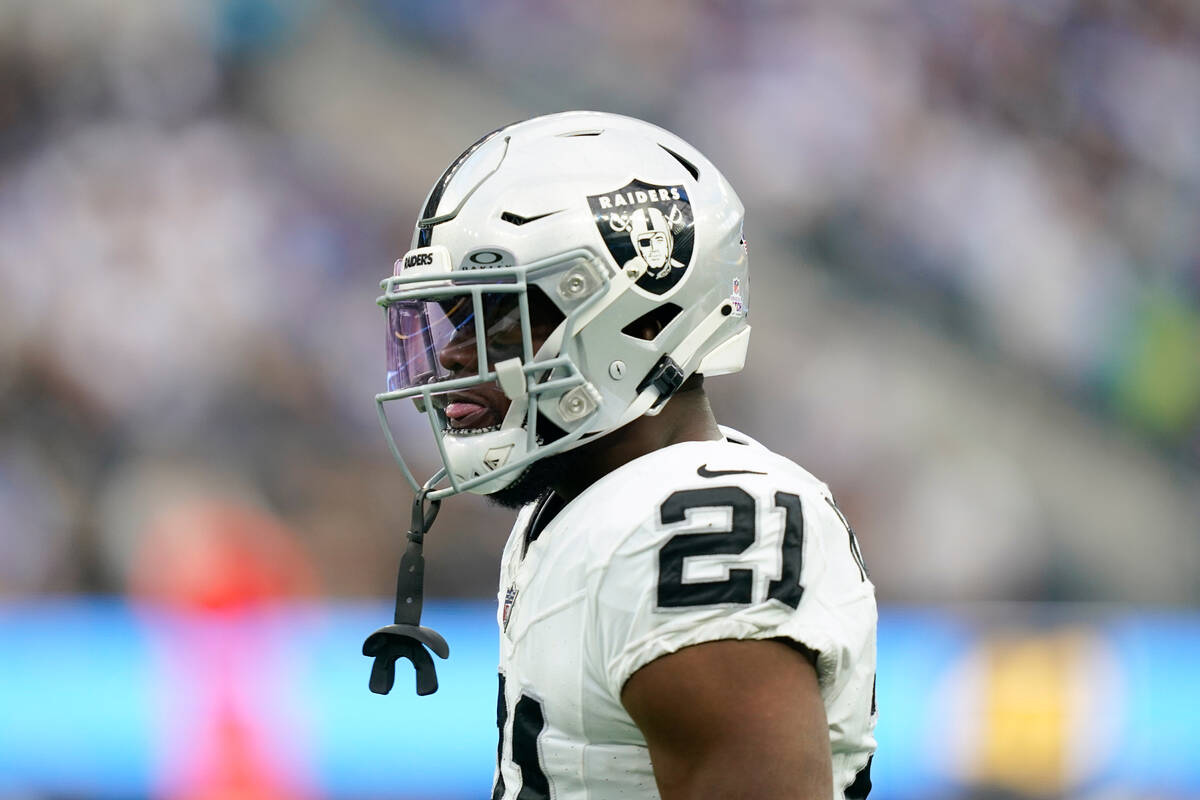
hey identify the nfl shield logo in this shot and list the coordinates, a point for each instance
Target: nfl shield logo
(510, 597)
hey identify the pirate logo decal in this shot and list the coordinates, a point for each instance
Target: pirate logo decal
(649, 231)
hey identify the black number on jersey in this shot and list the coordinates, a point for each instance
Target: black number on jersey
(738, 587)
(528, 724)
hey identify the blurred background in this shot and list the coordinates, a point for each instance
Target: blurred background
(974, 230)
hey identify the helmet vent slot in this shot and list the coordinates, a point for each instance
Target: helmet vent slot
(573, 134)
(517, 219)
(649, 325)
(689, 166)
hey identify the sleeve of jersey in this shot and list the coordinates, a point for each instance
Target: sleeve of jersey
(731, 563)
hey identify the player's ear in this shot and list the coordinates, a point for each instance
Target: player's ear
(649, 330)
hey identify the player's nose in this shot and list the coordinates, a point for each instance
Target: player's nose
(459, 356)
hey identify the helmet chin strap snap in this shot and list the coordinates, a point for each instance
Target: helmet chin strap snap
(406, 638)
(666, 377)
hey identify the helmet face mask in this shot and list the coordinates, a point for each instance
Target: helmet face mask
(435, 339)
(539, 251)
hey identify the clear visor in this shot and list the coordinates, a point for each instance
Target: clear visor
(438, 339)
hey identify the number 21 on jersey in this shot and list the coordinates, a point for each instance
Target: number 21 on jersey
(738, 587)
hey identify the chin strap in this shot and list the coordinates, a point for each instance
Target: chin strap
(406, 638)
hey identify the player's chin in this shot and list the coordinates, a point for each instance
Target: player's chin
(521, 492)
(538, 478)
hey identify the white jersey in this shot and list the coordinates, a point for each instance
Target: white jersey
(696, 542)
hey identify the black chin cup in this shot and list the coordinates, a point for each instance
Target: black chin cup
(406, 638)
(392, 642)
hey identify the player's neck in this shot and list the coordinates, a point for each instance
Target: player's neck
(688, 417)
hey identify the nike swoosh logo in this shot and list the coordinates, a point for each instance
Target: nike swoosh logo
(704, 472)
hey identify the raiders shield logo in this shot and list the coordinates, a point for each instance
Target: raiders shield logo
(649, 231)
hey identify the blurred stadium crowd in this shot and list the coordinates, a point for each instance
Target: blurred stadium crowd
(974, 230)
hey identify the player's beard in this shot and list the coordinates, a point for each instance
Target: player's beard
(538, 478)
(534, 482)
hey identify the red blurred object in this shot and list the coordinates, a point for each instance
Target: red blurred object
(218, 565)
(217, 556)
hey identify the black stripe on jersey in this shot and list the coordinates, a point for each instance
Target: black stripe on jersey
(861, 787)
(544, 513)
(855, 551)
(425, 237)
(501, 721)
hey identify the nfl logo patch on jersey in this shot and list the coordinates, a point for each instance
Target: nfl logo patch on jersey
(510, 597)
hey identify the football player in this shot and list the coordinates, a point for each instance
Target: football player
(682, 612)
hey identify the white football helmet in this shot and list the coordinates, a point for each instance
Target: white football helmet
(545, 256)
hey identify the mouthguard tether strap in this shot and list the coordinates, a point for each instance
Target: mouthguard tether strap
(406, 638)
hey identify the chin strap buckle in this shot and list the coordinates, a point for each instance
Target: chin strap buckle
(666, 376)
(406, 638)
